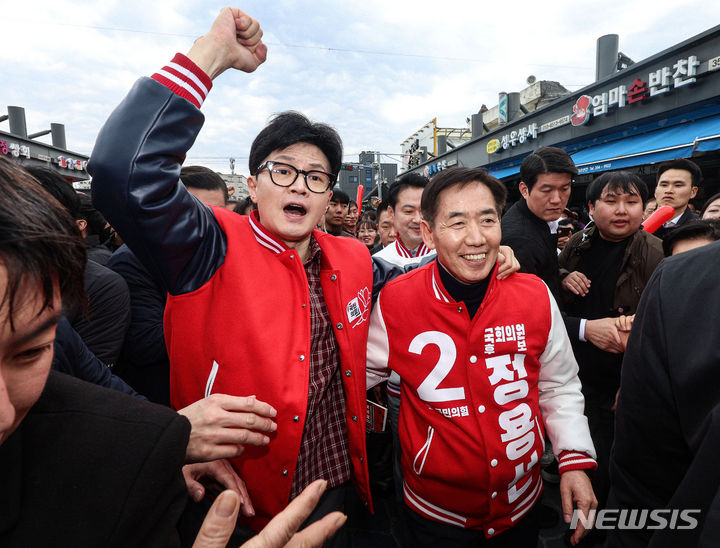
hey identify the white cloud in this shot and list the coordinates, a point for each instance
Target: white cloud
(73, 61)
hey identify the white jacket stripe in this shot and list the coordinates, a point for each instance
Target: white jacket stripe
(430, 509)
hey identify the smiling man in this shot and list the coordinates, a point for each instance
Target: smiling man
(483, 362)
(605, 269)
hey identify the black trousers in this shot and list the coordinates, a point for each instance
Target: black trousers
(420, 532)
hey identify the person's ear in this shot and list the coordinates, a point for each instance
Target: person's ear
(524, 191)
(427, 234)
(252, 187)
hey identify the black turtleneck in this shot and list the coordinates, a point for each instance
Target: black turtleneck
(470, 294)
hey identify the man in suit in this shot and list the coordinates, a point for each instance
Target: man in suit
(677, 184)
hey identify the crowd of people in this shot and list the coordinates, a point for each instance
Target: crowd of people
(177, 370)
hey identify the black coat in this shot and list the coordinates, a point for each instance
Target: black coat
(144, 361)
(103, 328)
(533, 244)
(687, 216)
(667, 426)
(92, 467)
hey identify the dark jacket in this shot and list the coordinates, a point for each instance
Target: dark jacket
(144, 361)
(103, 328)
(91, 467)
(687, 216)
(533, 244)
(600, 370)
(667, 427)
(72, 356)
(643, 253)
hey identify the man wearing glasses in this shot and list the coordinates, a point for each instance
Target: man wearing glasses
(261, 305)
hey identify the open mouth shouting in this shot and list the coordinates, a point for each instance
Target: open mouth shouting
(294, 210)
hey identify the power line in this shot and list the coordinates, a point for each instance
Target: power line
(295, 46)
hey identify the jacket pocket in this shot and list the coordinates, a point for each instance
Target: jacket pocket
(211, 378)
(423, 452)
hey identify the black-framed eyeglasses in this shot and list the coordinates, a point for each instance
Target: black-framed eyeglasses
(285, 175)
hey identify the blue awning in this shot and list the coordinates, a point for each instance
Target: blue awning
(679, 141)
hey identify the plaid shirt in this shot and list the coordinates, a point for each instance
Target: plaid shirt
(324, 447)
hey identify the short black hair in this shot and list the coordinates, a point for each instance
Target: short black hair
(546, 160)
(290, 127)
(242, 206)
(710, 200)
(382, 207)
(694, 230)
(340, 197)
(462, 176)
(203, 178)
(352, 203)
(39, 241)
(682, 163)
(58, 187)
(96, 223)
(411, 180)
(616, 181)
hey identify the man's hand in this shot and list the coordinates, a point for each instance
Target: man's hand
(603, 334)
(577, 283)
(220, 522)
(233, 41)
(623, 325)
(507, 262)
(222, 424)
(576, 491)
(224, 474)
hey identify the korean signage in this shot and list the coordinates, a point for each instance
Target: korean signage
(513, 138)
(659, 82)
(14, 149)
(502, 108)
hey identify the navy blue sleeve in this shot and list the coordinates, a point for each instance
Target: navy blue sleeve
(135, 167)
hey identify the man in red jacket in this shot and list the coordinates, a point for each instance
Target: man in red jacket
(482, 361)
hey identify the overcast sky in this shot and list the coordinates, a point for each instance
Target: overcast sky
(376, 70)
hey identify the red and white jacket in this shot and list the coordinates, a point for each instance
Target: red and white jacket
(398, 254)
(247, 331)
(477, 396)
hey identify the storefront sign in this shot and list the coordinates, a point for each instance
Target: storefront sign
(547, 126)
(514, 138)
(714, 63)
(14, 149)
(69, 163)
(659, 82)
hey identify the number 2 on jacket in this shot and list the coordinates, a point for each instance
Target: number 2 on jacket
(428, 389)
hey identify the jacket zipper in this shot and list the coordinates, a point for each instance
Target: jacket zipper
(424, 450)
(211, 378)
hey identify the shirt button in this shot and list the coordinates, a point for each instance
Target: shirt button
(302, 357)
(333, 277)
(481, 408)
(304, 305)
(354, 418)
(491, 531)
(292, 256)
(493, 495)
(339, 326)
(284, 472)
(494, 463)
(473, 359)
(348, 373)
(459, 308)
(296, 418)
(361, 459)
